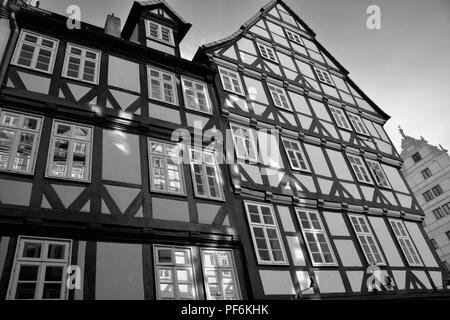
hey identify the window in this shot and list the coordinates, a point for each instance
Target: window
(265, 233)
(81, 64)
(340, 118)
(435, 245)
(196, 95)
(428, 196)
(205, 174)
(165, 166)
(315, 237)
(279, 97)
(175, 278)
(231, 81)
(437, 190)
(267, 52)
(295, 155)
(405, 242)
(244, 142)
(439, 213)
(159, 32)
(294, 37)
(70, 151)
(378, 173)
(357, 123)
(416, 157)
(19, 140)
(446, 208)
(162, 86)
(220, 275)
(367, 240)
(426, 173)
(39, 270)
(324, 76)
(359, 169)
(34, 51)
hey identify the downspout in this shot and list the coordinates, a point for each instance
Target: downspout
(10, 47)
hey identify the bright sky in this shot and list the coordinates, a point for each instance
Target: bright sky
(404, 67)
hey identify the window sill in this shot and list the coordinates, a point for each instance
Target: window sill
(33, 69)
(95, 83)
(67, 179)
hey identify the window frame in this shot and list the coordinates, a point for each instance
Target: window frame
(439, 213)
(83, 59)
(205, 92)
(360, 167)
(340, 118)
(416, 157)
(295, 154)
(405, 237)
(371, 162)
(267, 52)
(292, 36)
(428, 195)
(159, 36)
(252, 143)
(233, 85)
(19, 46)
(279, 94)
(323, 75)
(358, 124)
(439, 190)
(426, 173)
(161, 82)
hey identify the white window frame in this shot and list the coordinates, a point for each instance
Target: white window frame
(203, 174)
(161, 82)
(83, 59)
(165, 157)
(340, 118)
(242, 140)
(218, 269)
(358, 124)
(159, 36)
(265, 226)
(296, 156)
(37, 46)
(233, 79)
(403, 238)
(195, 95)
(18, 130)
(324, 76)
(359, 169)
(315, 232)
(267, 52)
(42, 262)
(367, 234)
(295, 37)
(279, 97)
(378, 173)
(72, 140)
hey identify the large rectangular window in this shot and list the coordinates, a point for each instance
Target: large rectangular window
(279, 97)
(205, 174)
(340, 118)
(367, 240)
(19, 140)
(316, 239)
(162, 86)
(244, 142)
(196, 95)
(295, 154)
(35, 51)
(359, 168)
(39, 271)
(231, 81)
(165, 166)
(159, 32)
(378, 173)
(265, 233)
(405, 242)
(357, 123)
(70, 151)
(82, 64)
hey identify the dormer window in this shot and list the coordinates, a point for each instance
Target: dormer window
(159, 32)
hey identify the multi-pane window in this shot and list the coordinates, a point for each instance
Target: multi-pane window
(426, 173)
(34, 51)
(162, 85)
(357, 123)
(175, 278)
(19, 139)
(324, 76)
(378, 173)
(446, 208)
(244, 142)
(267, 52)
(220, 275)
(405, 242)
(439, 213)
(159, 32)
(295, 154)
(437, 190)
(340, 118)
(82, 64)
(359, 168)
(231, 81)
(39, 270)
(265, 233)
(196, 95)
(315, 237)
(294, 37)
(428, 195)
(366, 239)
(165, 166)
(205, 174)
(70, 151)
(279, 97)
(416, 157)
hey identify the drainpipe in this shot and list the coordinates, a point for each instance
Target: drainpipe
(11, 45)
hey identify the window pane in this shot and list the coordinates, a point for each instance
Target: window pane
(25, 291)
(51, 291)
(166, 291)
(32, 250)
(54, 273)
(164, 255)
(6, 143)
(56, 251)
(28, 273)
(59, 165)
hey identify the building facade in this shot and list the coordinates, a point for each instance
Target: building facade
(427, 170)
(258, 170)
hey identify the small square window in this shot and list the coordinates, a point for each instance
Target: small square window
(159, 32)
(324, 76)
(231, 81)
(416, 157)
(279, 97)
(267, 52)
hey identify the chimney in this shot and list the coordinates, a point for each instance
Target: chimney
(112, 25)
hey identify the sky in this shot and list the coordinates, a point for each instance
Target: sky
(404, 67)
